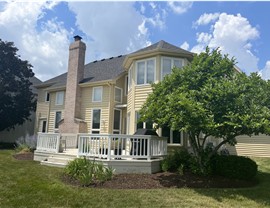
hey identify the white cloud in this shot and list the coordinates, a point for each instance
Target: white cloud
(47, 49)
(265, 72)
(185, 46)
(179, 7)
(233, 34)
(112, 27)
(207, 18)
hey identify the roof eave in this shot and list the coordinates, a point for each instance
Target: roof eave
(158, 51)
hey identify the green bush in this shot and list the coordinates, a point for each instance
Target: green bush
(236, 167)
(179, 159)
(88, 172)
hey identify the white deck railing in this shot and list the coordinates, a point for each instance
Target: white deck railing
(48, 142)
(122, 146)
(105, 146)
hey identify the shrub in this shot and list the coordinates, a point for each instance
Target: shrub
(26, 144)
(175, 161)
(236, 167)
(88, 172)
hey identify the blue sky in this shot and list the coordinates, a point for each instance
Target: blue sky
(42, 31)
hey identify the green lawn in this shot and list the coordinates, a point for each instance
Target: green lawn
(28, 184)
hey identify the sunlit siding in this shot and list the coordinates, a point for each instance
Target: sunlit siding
(256, 146)
(51, 123)
(87, 105)
(141, 93)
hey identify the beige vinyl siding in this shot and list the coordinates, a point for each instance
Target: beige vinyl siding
(51, 123)
(256, 146)
(141, 93)
(87, 105)
(42, 109)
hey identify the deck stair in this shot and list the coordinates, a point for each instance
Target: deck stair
(58, 160)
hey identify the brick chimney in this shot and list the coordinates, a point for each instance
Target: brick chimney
(72, 122)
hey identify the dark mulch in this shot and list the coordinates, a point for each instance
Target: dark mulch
(166, 180)
(24, 156)
(157, 180)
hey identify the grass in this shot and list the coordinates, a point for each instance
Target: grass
(28, 184)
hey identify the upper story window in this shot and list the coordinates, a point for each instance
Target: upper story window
(47, 96)
(118, 94)
(167, 64)
(145, 71)
(97, 94)
(59, 100)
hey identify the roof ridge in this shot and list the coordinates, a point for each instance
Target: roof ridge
(160, 44)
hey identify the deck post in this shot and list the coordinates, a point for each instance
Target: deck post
(58, 143)
(109, 148)
(148, 148)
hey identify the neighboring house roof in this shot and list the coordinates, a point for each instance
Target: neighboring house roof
(109, 69)
(35, 81)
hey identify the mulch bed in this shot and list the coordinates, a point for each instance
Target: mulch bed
(166, 180)
(156, 180)
(24, 156)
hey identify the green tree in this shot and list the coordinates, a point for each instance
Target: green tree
(209, 98)
(16, 98)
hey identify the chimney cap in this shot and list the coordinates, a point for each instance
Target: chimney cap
(77, 38)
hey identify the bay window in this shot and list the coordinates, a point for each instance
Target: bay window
(167, 64)
(145, 71)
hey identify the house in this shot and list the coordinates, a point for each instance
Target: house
(103, 98)
(93, 108)
(27, 128)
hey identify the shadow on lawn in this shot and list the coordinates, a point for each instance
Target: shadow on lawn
(7, 146)
(259, 193)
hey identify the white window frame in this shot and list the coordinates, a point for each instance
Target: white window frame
(47, 95)
(55, 119)
(172, 60)
(145, 70)
(92, 129)
(171, 138)
(93, 94)
(120, 124)
(59, 98)
(130, 78)
(121, 94)
(126, 85)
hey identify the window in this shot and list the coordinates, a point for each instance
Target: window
(117, 122)
(126, 85)
(97, 94)
(58, 115)
(145, 125)
(47, 96)
(59, 100)
(145, 71)
(96, 113)
(167, 64)
(44, 125)
(129, 78)
(118, 94)
(174, 137)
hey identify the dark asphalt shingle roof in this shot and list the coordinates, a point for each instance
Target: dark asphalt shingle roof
(107, 69)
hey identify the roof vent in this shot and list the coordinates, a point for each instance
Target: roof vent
(102, 59)
(95, 61)
(111, 58)
(119, 56)
(77, 38)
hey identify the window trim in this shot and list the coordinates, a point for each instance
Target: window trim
(120, 123)
(126, 85)
(47, 96)
(121, 94)
(92, 117)
(145, 71)
(172, 60)
(93, 94)
(55, 119)
(56, 98)
(171, 138)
